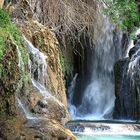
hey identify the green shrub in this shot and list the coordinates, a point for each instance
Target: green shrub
(9, 30)
(62, 63)
(124, 13)
(2, 44)
(4, 18)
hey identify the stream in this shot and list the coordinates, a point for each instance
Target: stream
(105, 130)
(90, 137)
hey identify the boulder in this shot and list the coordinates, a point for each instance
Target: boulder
(127, 87)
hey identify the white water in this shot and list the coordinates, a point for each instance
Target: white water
(134, 62)
(115, 129)
(107, 129)
(37, 63)
(39, 80)
(98, 99)
(44, 92)
(20, 63)
(71, 88)
(135, 57)
(131, 45)
(41, 67)
(71, 107)
(28, 114)
(38, 70)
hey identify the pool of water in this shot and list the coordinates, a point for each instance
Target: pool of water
(90, 137)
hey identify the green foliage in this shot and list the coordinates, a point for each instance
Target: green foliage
(2, 44)
(9, 30)
(62, 62)
(4, 18)
(124, 13)
(133, 36)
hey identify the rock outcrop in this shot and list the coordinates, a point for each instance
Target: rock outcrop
(25, 113)
(127, 87)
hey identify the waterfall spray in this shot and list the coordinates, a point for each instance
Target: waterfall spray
(98, 98)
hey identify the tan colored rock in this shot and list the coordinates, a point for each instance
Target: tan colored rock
(34, 99)
(1, 3)
(46, 42)
(48, 115)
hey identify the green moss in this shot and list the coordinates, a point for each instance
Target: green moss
(62, 62)
(2, 46)
(133, 36)
(124, 13)
(12, 119)
(40, 40)
(13, 78)
(4, 18)
(9, 30)
(10, 42)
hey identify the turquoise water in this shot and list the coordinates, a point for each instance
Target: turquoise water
(82, 137)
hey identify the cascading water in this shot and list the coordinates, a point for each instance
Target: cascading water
(135, 57)
(21, 66)
(127, 84)
(98, 98)
(38, 64)
(71, 107)
(38, 70)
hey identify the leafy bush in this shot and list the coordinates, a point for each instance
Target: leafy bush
(9, 30)
(124, 13)
(4, 18)
(1, 46)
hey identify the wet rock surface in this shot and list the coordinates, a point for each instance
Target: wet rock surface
(34, 130)
(127, 87)
(36, 117)
(103, 127)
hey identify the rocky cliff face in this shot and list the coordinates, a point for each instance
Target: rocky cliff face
(25, 113)
(127, 88)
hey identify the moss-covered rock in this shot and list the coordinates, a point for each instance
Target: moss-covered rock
(15, 82)
(10, 72)
(46, 42)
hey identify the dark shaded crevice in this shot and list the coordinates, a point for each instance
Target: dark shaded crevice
(82, 66)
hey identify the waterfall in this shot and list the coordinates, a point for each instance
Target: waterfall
(38, 67)
(98, 98)
(20, 63)
(38, 64)
(38, 71)
(71, 107)
(134, 60)
(71, 88)
(28, 114)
